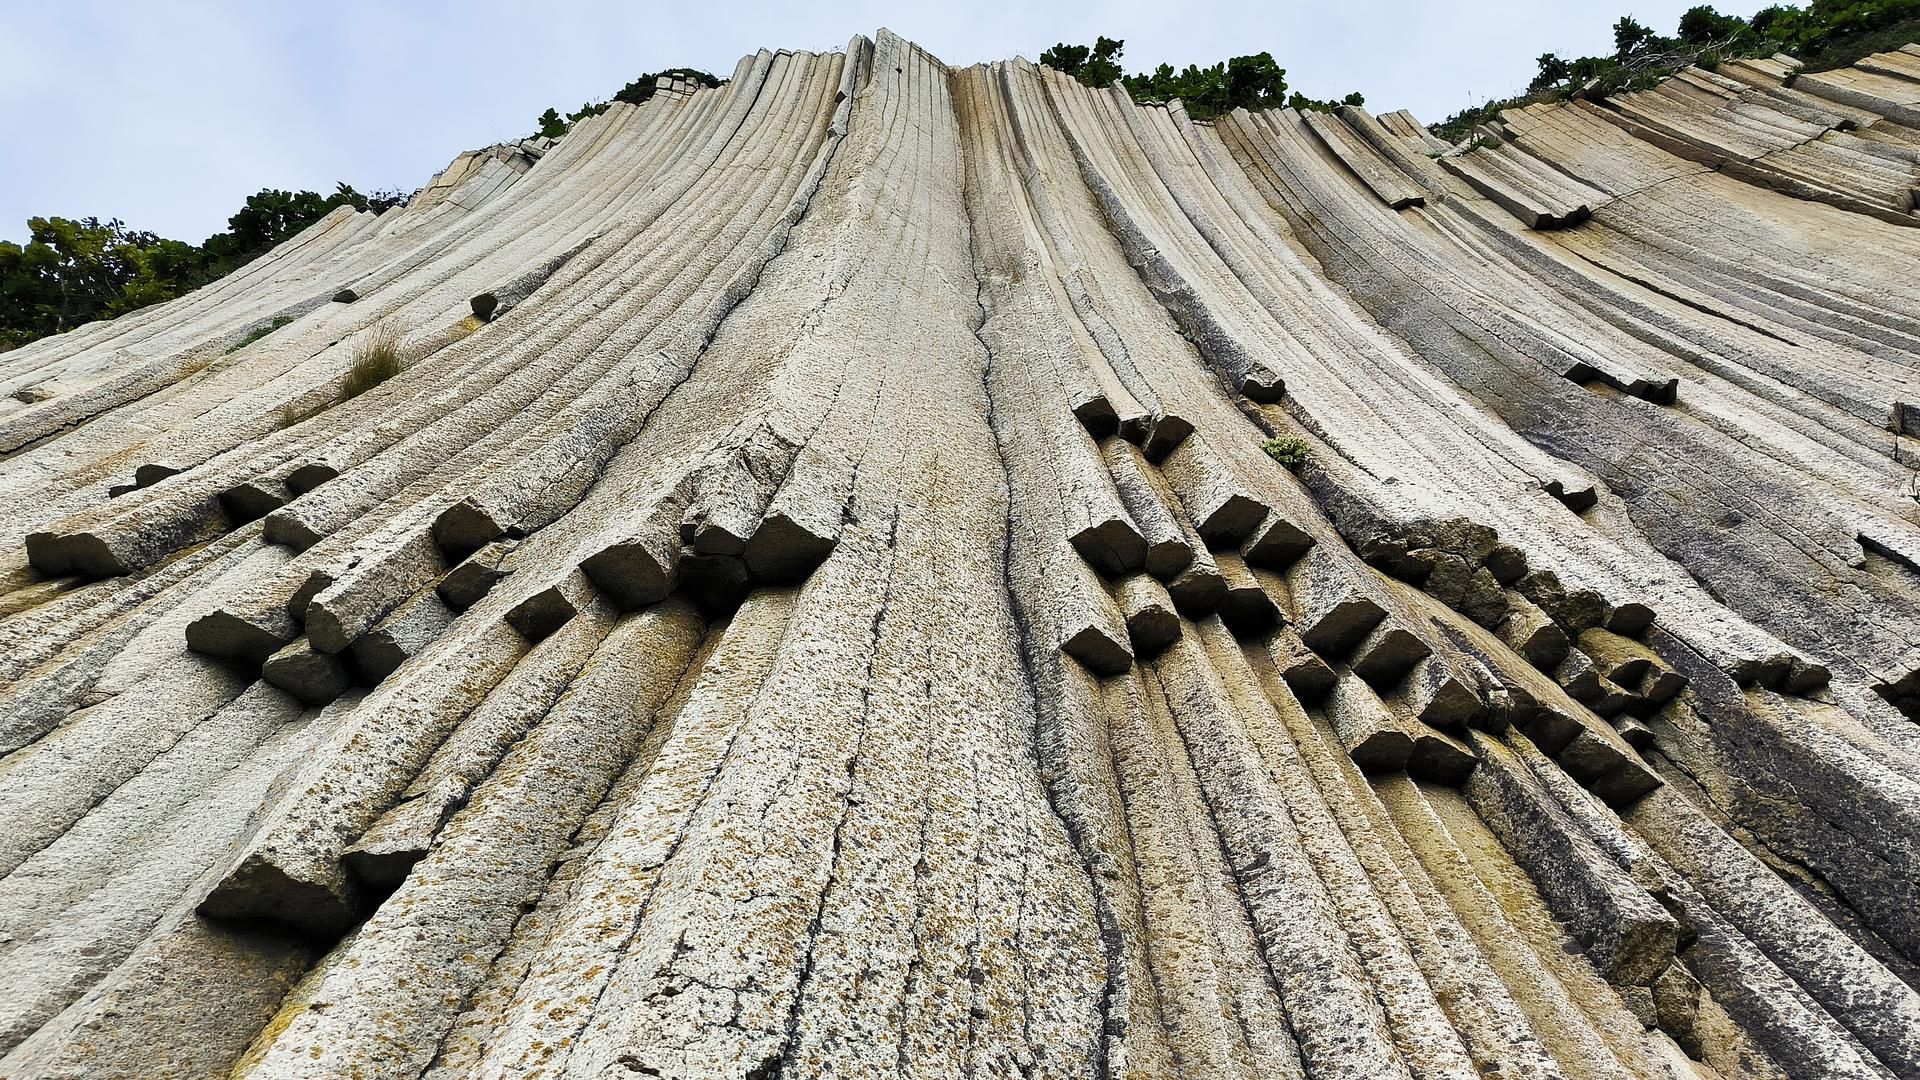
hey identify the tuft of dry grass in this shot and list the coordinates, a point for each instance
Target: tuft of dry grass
(375, 360)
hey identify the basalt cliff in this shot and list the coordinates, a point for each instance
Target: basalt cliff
(882, 569)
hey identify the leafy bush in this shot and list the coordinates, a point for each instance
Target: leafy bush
(1289, 451)
(1098, 66)
(1244, 82)
(71, 272)
(553, 125)
(1825, 34)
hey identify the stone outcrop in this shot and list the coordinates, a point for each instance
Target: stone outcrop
(815, 602)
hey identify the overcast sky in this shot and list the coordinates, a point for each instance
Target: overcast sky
(168, 114)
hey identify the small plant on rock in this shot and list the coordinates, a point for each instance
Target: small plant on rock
(261, 331)
(1290, 452)
(375, 360)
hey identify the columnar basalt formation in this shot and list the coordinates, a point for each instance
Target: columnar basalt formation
(814, 602)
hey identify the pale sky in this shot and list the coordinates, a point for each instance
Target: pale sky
(168, 114)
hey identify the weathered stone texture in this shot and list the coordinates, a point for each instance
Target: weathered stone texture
(815, 603)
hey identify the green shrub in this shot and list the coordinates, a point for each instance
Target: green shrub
(1825, 34)
(1288, 451)
(1243, 82)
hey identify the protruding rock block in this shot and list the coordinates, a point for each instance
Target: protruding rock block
(1443, 692)
(1628, 934)
(1387, 653)
(1247, 607)
(314, 677)
(1368, 730)
(1575, 609)
(1440, 757)
(716, 582)
(1633, 732)
(1331, 609)
(256, 623)
(1307, 674)
(547, 610)
(1152, 622)
(731, 488)
(1111, 545)
(113, 549)
(383, 861)
(1153, 509)
(400, 636)
(1091, 627)
(1276, 543)
(1471, 590)
(641, 567)
(1605, 764)
(373, 580)
(1165, 434)
(1630, 619)
(1529, 632)
(252, 500)
(1618, 659)
(1676, 1005)
(222, 632)
(803, 521)
(89, 554)
(1550, 728)
(785, 549)
(1198, 589)
(310, 475)
(1582, 680)
(496, 302)
(468, 583)
(261, 889)
(466, 527)
(1219, 506)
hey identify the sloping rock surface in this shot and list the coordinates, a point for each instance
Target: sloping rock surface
(813, 602)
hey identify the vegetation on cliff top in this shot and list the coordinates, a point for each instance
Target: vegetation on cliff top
(76, 270)
(73, 271)
(1244, 82)
(553, 125)
(1825, 34)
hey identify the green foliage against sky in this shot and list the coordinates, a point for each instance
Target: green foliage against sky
(1824, 34)
(1244, 82)
(553, 125)
(71, 272)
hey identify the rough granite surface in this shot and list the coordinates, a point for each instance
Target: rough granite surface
(814, 602)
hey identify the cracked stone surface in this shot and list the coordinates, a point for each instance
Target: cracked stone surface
(815, 603)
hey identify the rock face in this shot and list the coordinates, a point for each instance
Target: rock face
(814, 602)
